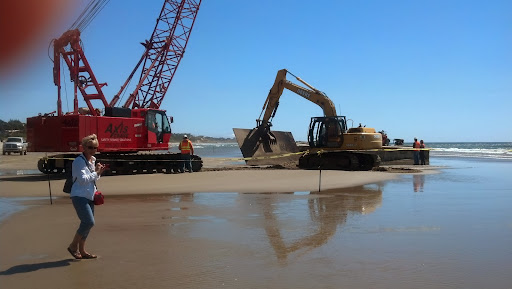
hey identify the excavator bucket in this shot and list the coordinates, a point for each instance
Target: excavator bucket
(263, 149)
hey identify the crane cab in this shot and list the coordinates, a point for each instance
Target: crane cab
(157, 126)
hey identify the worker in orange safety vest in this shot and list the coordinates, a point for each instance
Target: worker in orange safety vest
(416, 146)
(422, 152)
(187, 150)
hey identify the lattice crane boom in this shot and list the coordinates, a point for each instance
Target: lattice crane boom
(162, 55)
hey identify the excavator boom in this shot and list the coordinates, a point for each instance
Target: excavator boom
(312, 94)
(261, 141)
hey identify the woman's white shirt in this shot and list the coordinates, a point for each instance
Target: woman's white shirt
(84, 178)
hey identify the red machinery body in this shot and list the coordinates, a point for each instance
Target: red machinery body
(139, 125)
(145, 130)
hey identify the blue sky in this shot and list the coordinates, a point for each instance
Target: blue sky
(437, 70)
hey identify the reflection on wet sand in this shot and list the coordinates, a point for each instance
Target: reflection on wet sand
(294, 225)
(327, 210)
(418, 181)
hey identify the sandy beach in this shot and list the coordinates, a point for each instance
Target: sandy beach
(222, 177)
(239, 228)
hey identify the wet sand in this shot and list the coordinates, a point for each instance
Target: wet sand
(265, 229)
(214, 180)
(243, 181)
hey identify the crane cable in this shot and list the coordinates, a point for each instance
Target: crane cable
(88, 14)
(121, 97)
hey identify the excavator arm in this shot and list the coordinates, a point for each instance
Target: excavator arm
(312, 94)
(261, 140)
(272, 102)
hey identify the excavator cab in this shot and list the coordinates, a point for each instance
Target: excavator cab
(327, 132)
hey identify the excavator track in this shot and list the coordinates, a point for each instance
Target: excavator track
(339, 160)
(122, 164)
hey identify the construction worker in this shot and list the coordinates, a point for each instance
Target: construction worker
(422, 152)
(416, 146)
(187, 150)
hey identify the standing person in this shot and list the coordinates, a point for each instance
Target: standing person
(416, 146)
(187, 150)
(85, 173)
(422, 152)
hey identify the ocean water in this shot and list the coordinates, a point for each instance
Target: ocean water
(480, 150)
(9, 206)
(474, 150)
(215, 150)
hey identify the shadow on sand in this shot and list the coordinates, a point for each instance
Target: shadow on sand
(32, 178)
(26, 268)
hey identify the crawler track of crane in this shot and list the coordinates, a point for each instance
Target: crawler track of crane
(122, 164)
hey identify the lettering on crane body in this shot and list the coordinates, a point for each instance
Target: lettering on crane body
(108, 141)
(118, 131)
(303, 93)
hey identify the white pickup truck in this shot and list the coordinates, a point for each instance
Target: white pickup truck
(15, 145)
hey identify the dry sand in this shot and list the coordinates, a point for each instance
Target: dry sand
(135, 232)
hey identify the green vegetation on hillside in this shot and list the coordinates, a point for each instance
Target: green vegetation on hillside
(12, 127)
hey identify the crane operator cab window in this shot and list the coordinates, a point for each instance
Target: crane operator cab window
(157, 122)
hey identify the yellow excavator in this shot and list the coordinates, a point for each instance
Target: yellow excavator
(331, 144)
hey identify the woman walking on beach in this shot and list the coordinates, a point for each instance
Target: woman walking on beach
(85, 174)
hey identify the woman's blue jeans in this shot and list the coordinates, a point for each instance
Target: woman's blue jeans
(85, 210)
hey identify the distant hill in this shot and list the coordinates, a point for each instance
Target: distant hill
(177, 137)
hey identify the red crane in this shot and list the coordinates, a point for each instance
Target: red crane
(68, 46)
(163, 54)
(136, 126)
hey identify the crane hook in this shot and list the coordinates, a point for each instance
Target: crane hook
(82, 80)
